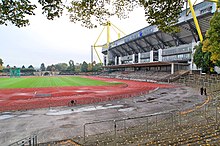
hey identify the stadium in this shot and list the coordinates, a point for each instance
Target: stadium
(148, 94)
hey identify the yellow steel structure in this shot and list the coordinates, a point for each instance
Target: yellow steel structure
(107, 26)
(195, 21)
(194, 15)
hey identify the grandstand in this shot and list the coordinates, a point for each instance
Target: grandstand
(151, 49)
(167, 114)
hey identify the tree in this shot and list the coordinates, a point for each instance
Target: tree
(97, 67)
(42, 67)
(61, 66)
(212, 42)
(92, 12)
(1, 63)
(203, 59)
(84, 67)
(23, 67)
(71, 66)
(30, 67)
(49, 68)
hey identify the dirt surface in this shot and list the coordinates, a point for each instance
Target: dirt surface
(57, 123)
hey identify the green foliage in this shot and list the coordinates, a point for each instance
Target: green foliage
(84, 67)
(97, 67)
(51, 68)
(14, 11)
(91, 13)
(42, 67)
(30, 67)
(1, 63)
(203, 59)
(163, 13)
(71, 67)
(212, 42)
(52, 8)
(61, 66)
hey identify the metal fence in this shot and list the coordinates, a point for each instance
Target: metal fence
(28, 141)
(158, 128)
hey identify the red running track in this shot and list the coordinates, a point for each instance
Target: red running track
(34, 98)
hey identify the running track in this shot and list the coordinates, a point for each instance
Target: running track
(34, 98)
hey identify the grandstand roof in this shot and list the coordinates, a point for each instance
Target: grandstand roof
(151, 38)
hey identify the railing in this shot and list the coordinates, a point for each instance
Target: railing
(159, 127)
(28, 141)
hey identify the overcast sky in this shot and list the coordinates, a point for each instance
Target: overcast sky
(57, 41)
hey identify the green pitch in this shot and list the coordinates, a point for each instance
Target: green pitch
(36, 82)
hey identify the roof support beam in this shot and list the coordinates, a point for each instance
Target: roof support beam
(134, 51)
(160, 40)
(178, 39)
(114, 52)
(139, 46)
(121, 54)
(193, 31)
(147, 42)
(125, 49)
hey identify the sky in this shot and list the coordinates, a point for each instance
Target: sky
(58, 41)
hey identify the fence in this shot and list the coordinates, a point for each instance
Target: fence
(28, 141)
(172, 127)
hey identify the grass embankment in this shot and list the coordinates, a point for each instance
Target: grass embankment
(37, 82)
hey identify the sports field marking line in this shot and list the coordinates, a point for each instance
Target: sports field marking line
(197, 107)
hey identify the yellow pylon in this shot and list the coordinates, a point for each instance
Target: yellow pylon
(107, 26)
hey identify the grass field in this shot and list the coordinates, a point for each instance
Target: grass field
(36, 82)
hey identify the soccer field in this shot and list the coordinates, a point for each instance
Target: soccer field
(36, 82)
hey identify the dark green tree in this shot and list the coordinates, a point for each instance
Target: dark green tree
(203, 59)
(42, 67)
(30, 67)
(23, 67)
(61, 66)
(1, 62)
(97, 67)
(71, 67)
(1, 65)
(84, 67)
(163, 13)
(49, 68)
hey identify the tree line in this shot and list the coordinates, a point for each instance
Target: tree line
(63, 68)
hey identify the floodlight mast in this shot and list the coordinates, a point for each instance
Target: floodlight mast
(194, 15)
(107, 26)
(195, 21)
